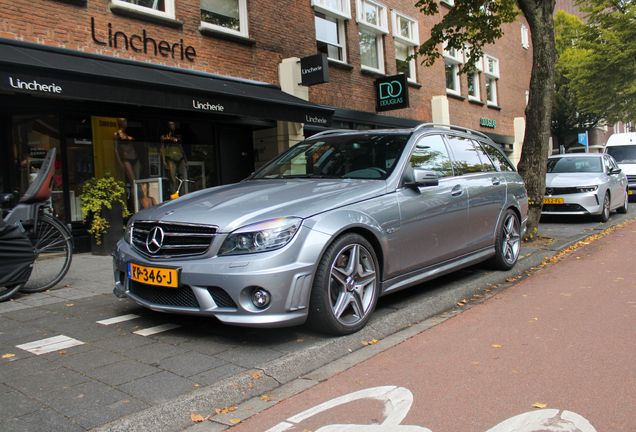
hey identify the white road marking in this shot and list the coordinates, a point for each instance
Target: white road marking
(157, 329)
(48, 345)
(118, 319)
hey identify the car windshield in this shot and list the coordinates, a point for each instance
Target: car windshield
(623, 154)
(363, 156)
(574, 164)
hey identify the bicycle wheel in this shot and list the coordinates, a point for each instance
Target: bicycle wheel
(54, 253)
(7, 292)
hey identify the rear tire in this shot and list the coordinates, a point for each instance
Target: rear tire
(54, 251)
(508, 242)
(605, 214)
(623, 209)
(7, 292)
(346, 287)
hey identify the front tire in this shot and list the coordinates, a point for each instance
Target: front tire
(346, 287)
(605, 214)
(6, 292)
(508, 242)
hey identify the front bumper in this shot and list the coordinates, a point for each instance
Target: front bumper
(575, 204)
(222, 287)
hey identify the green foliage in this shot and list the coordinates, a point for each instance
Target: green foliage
(568, 118)
(469, 23)
(602, 71)
(99, 192)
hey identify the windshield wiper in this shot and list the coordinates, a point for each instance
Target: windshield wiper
(311, 176)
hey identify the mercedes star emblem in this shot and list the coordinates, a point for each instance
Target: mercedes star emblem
(154, 242)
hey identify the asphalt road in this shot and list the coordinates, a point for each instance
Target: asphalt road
(115, 366)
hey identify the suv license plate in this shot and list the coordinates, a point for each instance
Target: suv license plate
(153, 275)
(552, 200)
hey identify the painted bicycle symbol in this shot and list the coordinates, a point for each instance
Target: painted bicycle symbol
(397, 403)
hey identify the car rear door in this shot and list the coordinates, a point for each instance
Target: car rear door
(486, 191)
(434, 217)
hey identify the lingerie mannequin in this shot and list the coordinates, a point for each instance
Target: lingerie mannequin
(174, 158)
(125, 152)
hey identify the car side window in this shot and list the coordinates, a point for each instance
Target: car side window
(430, 153)
(497, 157)
(485, 160)
(466, 158)
(609, 163)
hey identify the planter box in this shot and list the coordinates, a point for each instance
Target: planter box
(113, 233)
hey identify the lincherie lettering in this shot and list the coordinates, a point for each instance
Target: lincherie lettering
(144, 43)
(35, 86)
(207, 106)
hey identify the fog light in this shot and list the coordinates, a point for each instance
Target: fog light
(261, 298)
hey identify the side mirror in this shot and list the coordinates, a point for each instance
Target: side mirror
(421, 178)
(615, 171)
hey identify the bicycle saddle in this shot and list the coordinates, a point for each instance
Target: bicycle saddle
(42, 186)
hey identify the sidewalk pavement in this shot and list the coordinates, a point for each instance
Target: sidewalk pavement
(155, 385)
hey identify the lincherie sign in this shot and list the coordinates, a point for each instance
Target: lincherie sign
(142, 43)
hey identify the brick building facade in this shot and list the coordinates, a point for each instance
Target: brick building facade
(209, 89)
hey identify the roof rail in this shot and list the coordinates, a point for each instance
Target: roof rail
(452, 127)
(331, 131)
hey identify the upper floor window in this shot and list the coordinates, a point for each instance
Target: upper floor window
(492, 75)
(333, 7)
(474, 81)
(453, 59)
(228, 16)
(372, 20)
(525, 39)
(162, 8)
(330, 17)
(406, 35)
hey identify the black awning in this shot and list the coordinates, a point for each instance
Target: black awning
(49, 71)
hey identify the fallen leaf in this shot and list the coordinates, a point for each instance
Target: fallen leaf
(198, 418)
(251, 385)
(62, 352)
(539, 405)
(371, 342)
(249, 408)
(70, 304)
(235, 421)
(8, 355)
(299, 340)
(496, 346)
(266, 398)
(256, 375)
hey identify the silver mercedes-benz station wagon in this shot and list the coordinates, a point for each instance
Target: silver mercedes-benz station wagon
(328, 226)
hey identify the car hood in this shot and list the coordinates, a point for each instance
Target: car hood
(233, 206)
(573, 179)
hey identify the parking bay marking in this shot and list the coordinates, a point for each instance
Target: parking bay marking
(158, 329)
(118, 319)
(48, 345)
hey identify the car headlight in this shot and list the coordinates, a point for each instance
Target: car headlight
(586, 189)
(128, 232)
(261, 237)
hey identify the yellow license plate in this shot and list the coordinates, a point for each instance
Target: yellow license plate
(630, 192)
(552, 200)
(164, 277)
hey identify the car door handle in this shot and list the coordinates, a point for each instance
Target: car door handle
(496, 181)
(457, 190)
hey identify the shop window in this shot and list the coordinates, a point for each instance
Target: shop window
(372, 21)
(227, 16)
(33, 136)
(406, 35)
(162, 8)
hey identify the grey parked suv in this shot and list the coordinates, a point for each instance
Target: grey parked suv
(328, 226)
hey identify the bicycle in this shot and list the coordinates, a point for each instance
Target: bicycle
(51, 240)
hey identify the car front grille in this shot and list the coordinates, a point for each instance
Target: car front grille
(171, 239)
(180, 297)
(561, 191)
(563, 208)
(631, 179)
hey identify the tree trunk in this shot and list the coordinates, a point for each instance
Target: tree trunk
(535, 151)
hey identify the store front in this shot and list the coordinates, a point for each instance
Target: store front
(141, 123)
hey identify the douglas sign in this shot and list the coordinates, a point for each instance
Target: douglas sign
(391, 93)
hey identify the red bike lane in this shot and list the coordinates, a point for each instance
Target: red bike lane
(555, 352)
